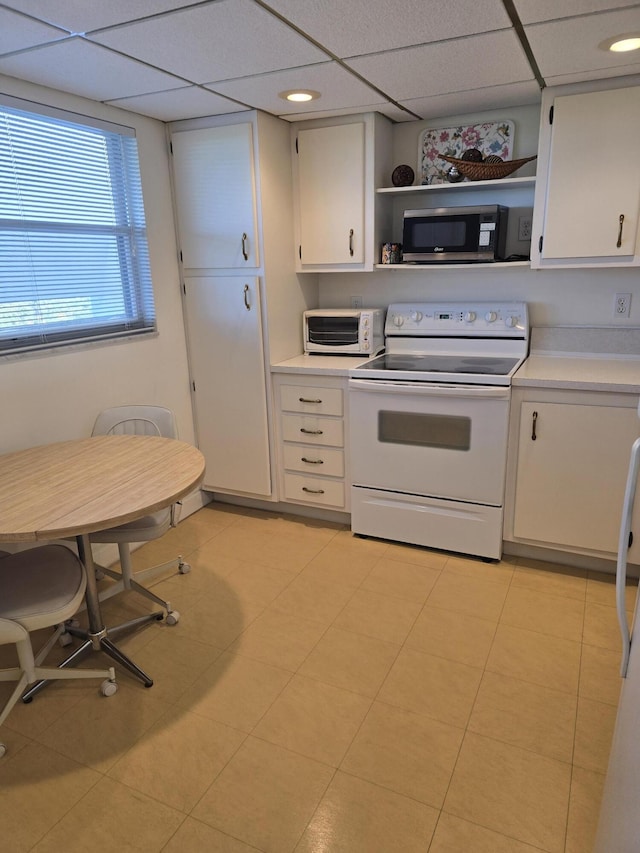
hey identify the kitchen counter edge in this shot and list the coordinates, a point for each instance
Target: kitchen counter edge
(319, 365)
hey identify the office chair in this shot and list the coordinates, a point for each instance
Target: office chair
(139, 420)
(40, 588)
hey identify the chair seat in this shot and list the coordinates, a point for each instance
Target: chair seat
(38, 584)
(140, 530)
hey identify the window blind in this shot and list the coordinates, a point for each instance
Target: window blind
(74, 263)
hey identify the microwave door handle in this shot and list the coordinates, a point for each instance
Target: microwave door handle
(429, 389)
(623, 547)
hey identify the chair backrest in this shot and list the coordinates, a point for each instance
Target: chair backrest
(136, 420)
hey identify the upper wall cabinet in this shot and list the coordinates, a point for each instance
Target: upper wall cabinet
(336, 166)
(215, 197)
(588, 190)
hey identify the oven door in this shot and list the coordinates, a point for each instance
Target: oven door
(430, 439)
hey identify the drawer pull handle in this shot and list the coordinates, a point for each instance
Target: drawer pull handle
(312, 461)
(311, 431)
(621, 221)
(534, 420)
(245, 253)
(313, 491)
(308, 400)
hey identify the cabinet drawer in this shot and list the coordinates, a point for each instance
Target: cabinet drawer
(324, 460)
(305, 398)
(312, 430)
(297, 487)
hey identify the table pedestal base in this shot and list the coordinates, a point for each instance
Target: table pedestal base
(101, 642)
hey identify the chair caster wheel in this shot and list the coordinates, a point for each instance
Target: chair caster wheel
(65, 639)
(184, 568)
(108, 687)
(3, 750)
(173, 617)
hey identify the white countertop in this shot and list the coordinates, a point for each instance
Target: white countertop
(327, 365)
(584, 373)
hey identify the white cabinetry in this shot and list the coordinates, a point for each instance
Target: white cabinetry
(215, 197)
(228, 375)
(313, 455)
(232, 188)
(337, 163)
(588, 197)
(569, 455)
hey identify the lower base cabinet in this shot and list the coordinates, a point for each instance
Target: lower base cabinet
(312, 456)
(569, 470)
(229, 382)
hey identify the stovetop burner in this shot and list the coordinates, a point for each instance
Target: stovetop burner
(489, 366)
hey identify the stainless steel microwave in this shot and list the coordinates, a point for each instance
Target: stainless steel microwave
(455, 234)
(343, 331)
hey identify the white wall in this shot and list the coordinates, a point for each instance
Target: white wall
(57, 395)
(563, 297)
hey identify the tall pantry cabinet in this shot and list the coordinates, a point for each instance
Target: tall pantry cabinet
(242, 298)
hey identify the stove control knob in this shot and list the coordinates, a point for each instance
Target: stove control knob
(491, 316)
(398, 319)
(416, 316)
(511, 321)
(470, 316)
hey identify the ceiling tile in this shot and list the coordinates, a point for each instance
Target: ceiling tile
(18, 32)
(367, 26)
(451, 66)
(80, 16)
(571, 46)
(86, 69)
(219, 41)
(174, 104)
(531, 11)
(459, 103)
(337, 86)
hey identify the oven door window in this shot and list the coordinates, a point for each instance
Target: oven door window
(451, 432)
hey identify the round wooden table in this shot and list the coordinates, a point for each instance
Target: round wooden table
(73, 488)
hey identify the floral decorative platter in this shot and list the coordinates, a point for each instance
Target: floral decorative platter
(489, 138)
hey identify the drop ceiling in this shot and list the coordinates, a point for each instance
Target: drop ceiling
(407, 59)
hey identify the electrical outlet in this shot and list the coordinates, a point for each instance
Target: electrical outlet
(356, 301)
(524, 228)
(622, 305)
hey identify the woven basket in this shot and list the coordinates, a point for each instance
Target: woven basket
(486, 171)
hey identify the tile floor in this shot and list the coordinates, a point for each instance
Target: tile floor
(327, 693)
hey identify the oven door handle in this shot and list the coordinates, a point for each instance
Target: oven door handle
(430, 389)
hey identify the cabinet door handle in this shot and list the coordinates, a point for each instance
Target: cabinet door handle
(312, 461)
(311, 431)
(246, 298)
(351, 242)
(245, 253)
(308, 400)
(533, 426)
(621, 221)
(313, 491)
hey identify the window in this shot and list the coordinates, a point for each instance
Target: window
(74, 263)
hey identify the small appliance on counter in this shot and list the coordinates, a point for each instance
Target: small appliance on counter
(343, 331)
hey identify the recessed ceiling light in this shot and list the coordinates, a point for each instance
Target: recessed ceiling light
(622, 43)
(299, 95)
